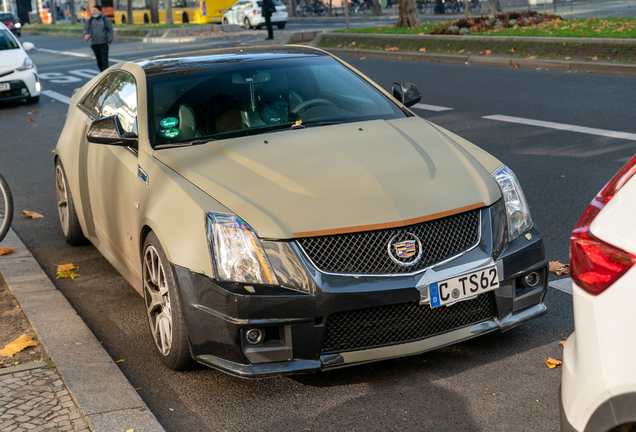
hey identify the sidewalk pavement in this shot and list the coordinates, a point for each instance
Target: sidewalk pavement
(86, 388)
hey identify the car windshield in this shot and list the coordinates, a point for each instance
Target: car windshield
(6, 41)
(5, 17)
(233, 99)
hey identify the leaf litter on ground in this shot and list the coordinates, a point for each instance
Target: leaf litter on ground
(17, 345)
(6, 251)
(558, 268)
(552, 363)
(31, 214)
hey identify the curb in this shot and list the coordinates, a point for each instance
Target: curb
(103, 394)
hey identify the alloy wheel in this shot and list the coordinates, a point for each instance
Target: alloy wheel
(62, 199)
(157, 299)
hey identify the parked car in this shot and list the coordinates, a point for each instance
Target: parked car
(247, 13)
(18, 74)
(281, 213)
(11, 22)
(599, 379)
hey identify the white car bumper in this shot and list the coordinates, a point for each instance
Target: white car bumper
(22, 84)
(599, 378)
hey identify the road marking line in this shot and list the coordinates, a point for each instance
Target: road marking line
(430, 107)
(564, 285)
(57, 96)
(564, 127)
(74, 54)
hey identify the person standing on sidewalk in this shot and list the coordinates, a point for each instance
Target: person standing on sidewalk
(267, 10)
(100, 30)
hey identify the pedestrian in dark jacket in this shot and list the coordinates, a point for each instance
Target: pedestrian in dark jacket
(100, 30)
(267, 10)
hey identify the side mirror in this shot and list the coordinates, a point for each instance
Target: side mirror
(407, 93)
(108, 130)
(28, 46)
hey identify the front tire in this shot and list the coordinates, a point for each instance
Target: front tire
(163, 307)
(246, 21)
(32, 100)
(280, 26)
(66, 208)
(225, 21)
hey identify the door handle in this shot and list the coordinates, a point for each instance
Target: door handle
(141, 174)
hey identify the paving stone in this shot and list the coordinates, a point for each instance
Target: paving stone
(22, 419)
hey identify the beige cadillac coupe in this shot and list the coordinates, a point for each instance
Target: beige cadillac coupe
(280, 213)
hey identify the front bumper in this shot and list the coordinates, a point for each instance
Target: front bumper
(23, 84)
(295, 318)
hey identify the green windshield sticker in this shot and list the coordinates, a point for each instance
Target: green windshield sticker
(169, 122)
(170, 133)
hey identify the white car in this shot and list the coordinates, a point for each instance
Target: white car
(18, 74)
(599, 375)
(247, 13)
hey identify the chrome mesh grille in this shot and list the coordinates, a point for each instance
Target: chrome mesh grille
(405, 322)
(366, 252)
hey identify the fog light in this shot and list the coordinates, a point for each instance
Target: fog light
(38, 86)
(254, 336)
(531, 280)
(24, 90)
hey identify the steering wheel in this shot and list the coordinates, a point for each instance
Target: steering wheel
(297, 96)
(310, 103)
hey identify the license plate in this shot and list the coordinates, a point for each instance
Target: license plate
(5, 86)
(468, 285)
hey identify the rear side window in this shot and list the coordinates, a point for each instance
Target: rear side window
(6, 41)
(95, 99)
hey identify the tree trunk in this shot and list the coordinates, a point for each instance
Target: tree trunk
(38, 5)
(71, 4)
(408, 14)
(376, 10)
(53, 12)
(169, 19)
(292, 8)
(129, 11)
(494, 8)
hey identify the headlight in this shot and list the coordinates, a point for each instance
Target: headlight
(17, 25)
(519, 219)
(28, 64)
(237, 253)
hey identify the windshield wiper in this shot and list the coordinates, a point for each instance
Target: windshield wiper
(185, 143)
(323, 123)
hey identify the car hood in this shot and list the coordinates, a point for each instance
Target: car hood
(11, 59)
(341, 178)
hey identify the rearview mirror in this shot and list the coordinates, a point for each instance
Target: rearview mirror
(28, 46)
(109, 131)
(407, 93)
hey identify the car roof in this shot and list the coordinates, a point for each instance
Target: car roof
(175, 63)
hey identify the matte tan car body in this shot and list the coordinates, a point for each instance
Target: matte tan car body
(271, 187)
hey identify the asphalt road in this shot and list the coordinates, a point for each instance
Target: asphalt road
(494, 383)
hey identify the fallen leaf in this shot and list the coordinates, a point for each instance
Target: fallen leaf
(66, 267)
(363, 58)
(52, 100)
(339, 46)
(390, 48)
(595, 58)
(6, 251)
(140, 48)
(34, 111)
(552, 363)
(31, 214)
(66, 274)
(559, 269)
(17, 345)
(41, 115)
(562, 343)
(32, 352)
(422, 49)
(487, 52)
(568, 58)
(138, 388)
(460, 51)
(30, 120)
(514, 65)
(353, 43)
(512, 50)
(171, 409)
(130, 430)
(120, 361)
(531, 57)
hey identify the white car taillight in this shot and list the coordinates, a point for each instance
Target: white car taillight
(595, 264)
